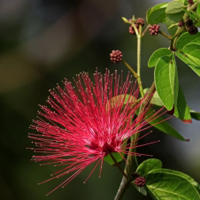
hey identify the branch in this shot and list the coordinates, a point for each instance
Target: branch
(122, 188)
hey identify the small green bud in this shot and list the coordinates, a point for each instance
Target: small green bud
(125, 20)
(133, 18)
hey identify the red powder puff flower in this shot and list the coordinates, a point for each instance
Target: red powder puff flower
(82, 125)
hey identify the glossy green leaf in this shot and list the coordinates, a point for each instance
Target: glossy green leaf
(190, 179)
(174, 7)
(110, 161)
(182, 110)
(195, 115)
(156, 14)
(164, 75)
(164, 184)
(189, 62)
(148, 165)
(157, 54)
(163, 126)
(144, 168)
(185, 39)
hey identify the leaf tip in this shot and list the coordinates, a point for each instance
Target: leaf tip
(187, 121)
(187, 139)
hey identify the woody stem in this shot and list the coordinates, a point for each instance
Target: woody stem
(118, 165)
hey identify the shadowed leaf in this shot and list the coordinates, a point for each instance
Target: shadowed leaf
(195, 115)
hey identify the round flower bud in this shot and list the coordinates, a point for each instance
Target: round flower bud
(193, 30)
(189, 23)
(140, 21)
(154, 29)
(131, 30)
(181, 24)
(116, 56)
(140, 181)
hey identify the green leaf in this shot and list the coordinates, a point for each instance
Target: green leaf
(145, 90)
(165, 74)
(192, 50)
(198, 9)
(163, 126)
(172, 19)
(144, 168)
(185, 39)
(110, 161)
(189, 62)
(117, 100)
(183, 1)
(182, 110)
(148, 165)
(174, 7)
(156, 100)
(142, 190)
(193, 16)
(157, 54)
(156, 14)
(176, 82)
(190, 179)
(164, 184)
(189, 52)
(195, 114)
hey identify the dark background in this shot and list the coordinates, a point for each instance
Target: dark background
(44, 41)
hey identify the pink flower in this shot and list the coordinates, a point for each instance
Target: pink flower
(84, 124)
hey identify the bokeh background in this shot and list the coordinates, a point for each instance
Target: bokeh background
(45, 41)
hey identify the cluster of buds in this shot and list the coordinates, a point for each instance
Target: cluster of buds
(191, 28)
(131, 29)
(140, 181)
(116, 56)
(140, 21)
(154, 29)
(137, 22)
